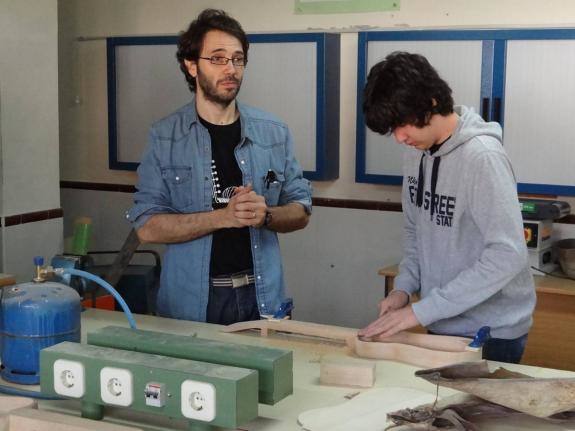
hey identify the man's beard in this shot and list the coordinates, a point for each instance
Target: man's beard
(211, 92)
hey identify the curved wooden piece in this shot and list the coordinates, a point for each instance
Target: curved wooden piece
(434, 342)
(295, 327)
(413, 355)
(421, 350)
(445, 343)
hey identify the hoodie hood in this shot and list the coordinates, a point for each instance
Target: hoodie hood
(469, 125)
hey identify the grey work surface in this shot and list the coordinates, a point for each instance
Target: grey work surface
(308, 394)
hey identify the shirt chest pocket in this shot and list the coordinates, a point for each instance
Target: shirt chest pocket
(272, 189)
(179, 182)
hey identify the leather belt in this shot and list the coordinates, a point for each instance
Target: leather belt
(234, 281)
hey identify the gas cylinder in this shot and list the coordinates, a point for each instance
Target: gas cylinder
(34, 316)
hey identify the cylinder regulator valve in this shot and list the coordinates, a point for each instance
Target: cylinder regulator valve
(43, 273)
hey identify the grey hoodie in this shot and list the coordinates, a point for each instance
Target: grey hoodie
(466, 255)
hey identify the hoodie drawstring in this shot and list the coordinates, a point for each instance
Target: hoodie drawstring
(421, 183)
(434, 174)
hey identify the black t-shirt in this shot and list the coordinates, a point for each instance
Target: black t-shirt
(231, 248)
(436, 147)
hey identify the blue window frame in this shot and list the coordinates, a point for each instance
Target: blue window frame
(326, 121)
(493, 81)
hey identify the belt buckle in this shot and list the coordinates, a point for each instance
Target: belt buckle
(240, 280)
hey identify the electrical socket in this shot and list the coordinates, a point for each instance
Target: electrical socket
(69, 378)
(198, 400)
(116, 386)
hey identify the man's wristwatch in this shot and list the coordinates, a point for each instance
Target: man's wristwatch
(267, 219)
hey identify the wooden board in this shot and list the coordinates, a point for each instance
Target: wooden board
(345, 371)
(38, 420)
(436, 342)
(20, 414)
(365, 412)
(412, 355)
(9, 403)
(7, 279)
(421, 350)
(295, 327)
(551, 340)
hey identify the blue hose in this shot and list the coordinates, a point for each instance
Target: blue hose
(9, 390)
(106, 286)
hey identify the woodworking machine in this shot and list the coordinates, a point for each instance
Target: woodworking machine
(274, 366)
(205, 394)
(208, 382)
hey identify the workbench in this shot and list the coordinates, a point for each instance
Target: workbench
(551, 341)
(308, 394)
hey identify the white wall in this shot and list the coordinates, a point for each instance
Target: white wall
(29, 129)
(83, 64)
(331, 266)
(330, 272)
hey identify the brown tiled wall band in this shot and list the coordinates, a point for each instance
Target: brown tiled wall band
(318, 202)
(103, 187)
(35, 216)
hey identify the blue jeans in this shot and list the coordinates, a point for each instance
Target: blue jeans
(499, 349)
(227, 305)
(502, 350)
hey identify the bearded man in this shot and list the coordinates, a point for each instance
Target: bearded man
(217, 182)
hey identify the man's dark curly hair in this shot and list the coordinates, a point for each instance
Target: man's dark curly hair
(404, 89)
(191, 41)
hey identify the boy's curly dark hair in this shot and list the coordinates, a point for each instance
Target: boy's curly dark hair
(191, 41)
(404, 89)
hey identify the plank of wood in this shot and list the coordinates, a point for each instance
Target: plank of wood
(421, 350)
(7, 279)
(444, 343)
(32, 419)
(366, 412)
(551, 341)
(9, 403)
(295, 327)
(412, 355)
(435, 342)
(346, 371)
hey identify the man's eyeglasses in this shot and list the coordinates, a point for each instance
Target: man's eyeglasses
(222, 61)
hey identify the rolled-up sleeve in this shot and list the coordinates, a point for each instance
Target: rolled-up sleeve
(296, 188)
(152, 195)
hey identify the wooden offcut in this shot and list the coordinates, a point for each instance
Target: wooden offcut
(7, 279)
(346, 371)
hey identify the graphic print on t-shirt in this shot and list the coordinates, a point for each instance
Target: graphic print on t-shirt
(220, 196)
(231, 247)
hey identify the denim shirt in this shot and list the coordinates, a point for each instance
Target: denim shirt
(175, 178)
